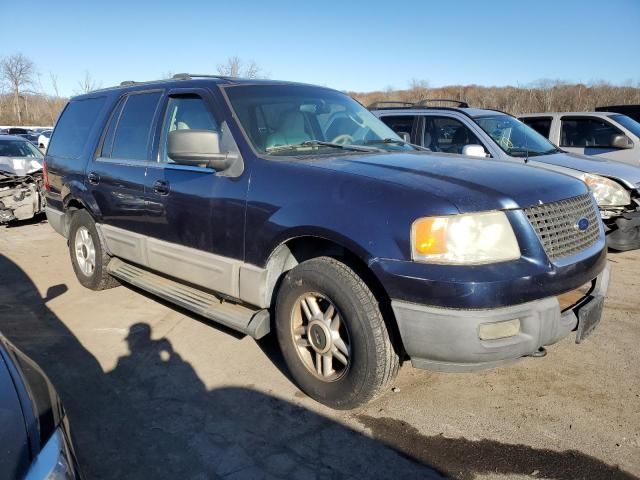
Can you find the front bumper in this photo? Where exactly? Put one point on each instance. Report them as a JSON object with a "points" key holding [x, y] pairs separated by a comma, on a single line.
{"points": [[448, 340], [21, 202], [623, 233]]}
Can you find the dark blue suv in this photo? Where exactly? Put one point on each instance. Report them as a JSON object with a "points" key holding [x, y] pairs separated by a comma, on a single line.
{"points": [[268, 205]]}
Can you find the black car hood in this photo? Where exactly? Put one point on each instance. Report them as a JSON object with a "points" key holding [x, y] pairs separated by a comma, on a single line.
{"points": [[14, 454], [471, 185], [629, 174]]}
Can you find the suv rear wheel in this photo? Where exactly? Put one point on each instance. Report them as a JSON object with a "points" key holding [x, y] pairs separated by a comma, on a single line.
{"points": [[88, 255], [332, 334]]}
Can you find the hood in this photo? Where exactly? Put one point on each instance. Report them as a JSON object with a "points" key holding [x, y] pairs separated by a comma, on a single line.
{"points": [[628, 174], [471, 185], [19, 166]]}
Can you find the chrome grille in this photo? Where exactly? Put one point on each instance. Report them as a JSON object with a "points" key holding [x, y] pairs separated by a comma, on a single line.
{"points": [[556, 225]]}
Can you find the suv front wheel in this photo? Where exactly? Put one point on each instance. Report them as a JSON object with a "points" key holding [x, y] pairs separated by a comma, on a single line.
{"points": [[88, 255], [332, 334]]}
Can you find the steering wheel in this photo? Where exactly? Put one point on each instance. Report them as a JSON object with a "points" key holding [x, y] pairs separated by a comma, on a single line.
{"points": [[343, 139]]}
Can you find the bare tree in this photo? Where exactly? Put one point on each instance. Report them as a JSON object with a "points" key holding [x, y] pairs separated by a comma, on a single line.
{"points": [[17, 73], [87, 84], [419, 90], [235, 67], [54, 84]]}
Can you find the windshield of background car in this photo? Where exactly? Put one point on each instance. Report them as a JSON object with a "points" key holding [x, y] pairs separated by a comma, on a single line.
{"points": [[628, 122], [18, 148], [275, 116], [514, 137]]}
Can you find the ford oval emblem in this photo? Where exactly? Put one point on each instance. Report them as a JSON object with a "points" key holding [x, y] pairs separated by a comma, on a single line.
{"points": [[582, 224]]}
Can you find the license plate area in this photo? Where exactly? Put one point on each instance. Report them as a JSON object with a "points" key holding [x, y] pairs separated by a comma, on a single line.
{"points": [[589, 316]]}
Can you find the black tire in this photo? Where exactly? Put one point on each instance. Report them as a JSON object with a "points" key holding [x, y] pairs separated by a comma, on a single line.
{"points": [[373, 363], [99, 279]]}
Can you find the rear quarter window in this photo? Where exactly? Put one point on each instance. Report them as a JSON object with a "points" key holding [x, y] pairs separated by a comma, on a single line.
{"points": [[73, 127]]}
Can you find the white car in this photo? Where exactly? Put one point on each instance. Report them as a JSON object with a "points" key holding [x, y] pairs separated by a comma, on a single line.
{"points": [[43, 139], [601, 134]]}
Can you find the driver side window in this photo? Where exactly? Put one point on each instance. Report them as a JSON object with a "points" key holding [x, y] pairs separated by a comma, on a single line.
{"points": [[185, 112], [445, 134]]}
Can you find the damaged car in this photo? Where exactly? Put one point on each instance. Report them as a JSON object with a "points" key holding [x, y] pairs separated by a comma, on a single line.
{"points": [[21, 179]]}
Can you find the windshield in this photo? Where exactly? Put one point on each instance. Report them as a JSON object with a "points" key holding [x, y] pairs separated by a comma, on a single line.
{"points": [[629, 123], [305, 120], [18, 148], [514, 137]]}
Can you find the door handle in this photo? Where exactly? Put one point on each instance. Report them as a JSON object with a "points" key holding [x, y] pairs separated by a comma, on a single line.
{"points": [[94, 178], [161, 187]]}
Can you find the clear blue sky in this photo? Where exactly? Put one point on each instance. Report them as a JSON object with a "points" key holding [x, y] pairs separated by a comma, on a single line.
{"points": [[348, 45]]}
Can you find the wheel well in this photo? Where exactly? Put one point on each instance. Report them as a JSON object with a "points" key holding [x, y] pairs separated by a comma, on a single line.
{"points": [[70, 207], [297, 250], [74, 205]]}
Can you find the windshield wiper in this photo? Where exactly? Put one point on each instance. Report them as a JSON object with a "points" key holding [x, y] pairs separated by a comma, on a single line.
{"points": [[553, 150], [522, 152], [318, 143], [398, 141]]}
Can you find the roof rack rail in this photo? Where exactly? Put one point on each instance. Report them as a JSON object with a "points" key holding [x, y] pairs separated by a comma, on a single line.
{"points": [[189, 76], [127, 83], [459, 103], [375, 105]]}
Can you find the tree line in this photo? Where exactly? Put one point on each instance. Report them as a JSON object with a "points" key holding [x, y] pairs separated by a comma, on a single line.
{"points": [[541, 96], [24, 100]]}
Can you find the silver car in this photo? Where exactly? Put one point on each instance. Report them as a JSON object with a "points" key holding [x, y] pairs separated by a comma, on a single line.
{"points": [[491, 134], [601, 134]]}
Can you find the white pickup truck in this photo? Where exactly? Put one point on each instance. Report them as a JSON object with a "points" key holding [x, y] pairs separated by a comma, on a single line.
{"points": [[603, 134]]}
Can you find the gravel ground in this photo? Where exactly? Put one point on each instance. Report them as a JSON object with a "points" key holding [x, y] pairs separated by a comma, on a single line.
{"points": [[155, 392]]}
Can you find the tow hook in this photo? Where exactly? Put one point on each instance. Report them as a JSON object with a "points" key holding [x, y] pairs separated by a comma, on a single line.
{"points": [[541, 352]]}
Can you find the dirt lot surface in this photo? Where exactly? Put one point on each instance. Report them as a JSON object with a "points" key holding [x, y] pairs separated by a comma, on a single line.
{"points": [[155, 392]]}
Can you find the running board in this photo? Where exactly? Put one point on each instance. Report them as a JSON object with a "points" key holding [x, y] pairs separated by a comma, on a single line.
{"points": [[255, 323]]}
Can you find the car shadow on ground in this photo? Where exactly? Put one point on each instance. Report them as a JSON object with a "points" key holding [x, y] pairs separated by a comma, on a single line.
{"points": [[36, 219], [151, 416]]}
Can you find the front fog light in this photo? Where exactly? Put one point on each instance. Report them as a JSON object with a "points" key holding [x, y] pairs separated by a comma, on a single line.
{"points": [[493, 331]]}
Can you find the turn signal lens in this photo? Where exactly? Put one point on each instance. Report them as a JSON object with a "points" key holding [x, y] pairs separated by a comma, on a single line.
{"points": [[430, 235], [467, 239]]}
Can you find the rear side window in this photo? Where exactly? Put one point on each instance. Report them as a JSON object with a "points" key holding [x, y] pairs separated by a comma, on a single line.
{"points": [[133, 131], [586, 132], [542, 125], [74, 125]]}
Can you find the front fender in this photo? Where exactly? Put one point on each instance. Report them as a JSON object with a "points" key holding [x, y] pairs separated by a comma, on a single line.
{"points": [[371, 218]]}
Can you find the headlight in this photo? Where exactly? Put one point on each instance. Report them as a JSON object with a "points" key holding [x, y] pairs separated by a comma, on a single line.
{"points": [[54, 462], [607, 192], [467, 239]]}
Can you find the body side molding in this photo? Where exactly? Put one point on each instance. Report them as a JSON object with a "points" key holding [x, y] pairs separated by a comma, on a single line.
{"points": [[224, 275]]}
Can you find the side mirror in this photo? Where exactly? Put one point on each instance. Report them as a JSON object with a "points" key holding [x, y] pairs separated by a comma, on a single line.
{"points": [[198, 148], [621, 141], [474, 151], [404, 136]]}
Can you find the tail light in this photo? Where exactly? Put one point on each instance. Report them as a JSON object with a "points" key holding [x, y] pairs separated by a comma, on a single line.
{"points": [[45, 175]]}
